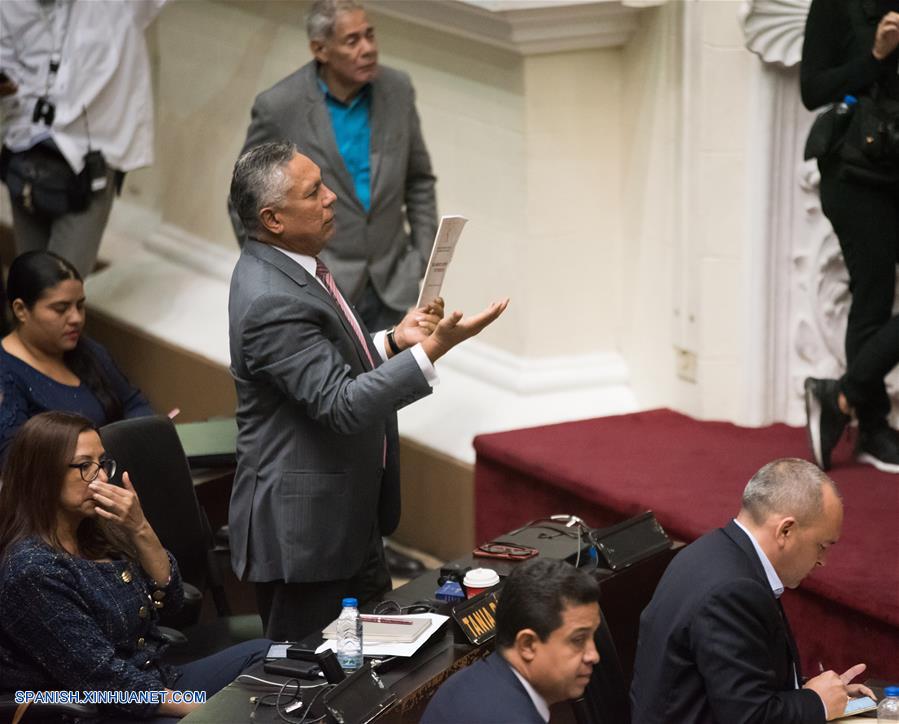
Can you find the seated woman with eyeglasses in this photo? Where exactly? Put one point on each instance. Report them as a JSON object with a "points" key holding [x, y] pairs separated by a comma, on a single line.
{"points": [[82, 575], [46, 363]]}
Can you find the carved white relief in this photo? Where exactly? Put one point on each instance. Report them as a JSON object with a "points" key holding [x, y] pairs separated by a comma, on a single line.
{"points": [[774, 29], [820, 277], [821, 309]]}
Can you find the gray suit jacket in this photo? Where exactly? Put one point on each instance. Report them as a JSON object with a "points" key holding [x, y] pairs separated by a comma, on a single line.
{"points": [[311, 417], [376, 243]]}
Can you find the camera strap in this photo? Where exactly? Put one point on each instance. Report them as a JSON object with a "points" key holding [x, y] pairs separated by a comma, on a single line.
{"points": [[57, 42], [87, 128]]}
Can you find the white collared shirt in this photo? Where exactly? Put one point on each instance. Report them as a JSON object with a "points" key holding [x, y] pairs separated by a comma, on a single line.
{"points": [[104, 68], [777, 586], [539, 702], [427, 368]]}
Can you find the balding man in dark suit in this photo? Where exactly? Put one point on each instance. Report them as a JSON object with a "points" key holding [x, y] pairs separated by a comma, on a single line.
{"points": [[715, 644]]}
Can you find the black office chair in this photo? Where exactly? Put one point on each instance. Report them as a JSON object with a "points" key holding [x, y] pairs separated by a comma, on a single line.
{"points": [[605, 699], [150, 450]]}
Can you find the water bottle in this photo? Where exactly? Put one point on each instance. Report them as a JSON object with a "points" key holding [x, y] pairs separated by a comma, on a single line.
{"points": [[349, 636], [888, 708], [829, 128], [844, 107]]}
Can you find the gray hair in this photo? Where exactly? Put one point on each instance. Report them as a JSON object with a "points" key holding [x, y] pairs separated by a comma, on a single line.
{"points": [[788, 486], [323, 14], [260, 180]]}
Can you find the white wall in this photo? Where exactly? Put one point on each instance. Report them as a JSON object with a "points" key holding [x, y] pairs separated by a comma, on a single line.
{"points": [[606, 190], [688, 92]]}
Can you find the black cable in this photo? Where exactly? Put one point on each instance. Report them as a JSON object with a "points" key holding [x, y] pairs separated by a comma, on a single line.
{"points": [[325, 687], [275, 700], [393, 608], [544, 523]]}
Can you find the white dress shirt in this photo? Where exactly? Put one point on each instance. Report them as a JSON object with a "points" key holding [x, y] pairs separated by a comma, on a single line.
{"points": [[777, 586], [103, 68], [539, 702], [427, 368]]}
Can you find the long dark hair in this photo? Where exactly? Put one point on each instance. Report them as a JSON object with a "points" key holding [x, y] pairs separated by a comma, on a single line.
{"points": [[36, 467], [30, 275]]}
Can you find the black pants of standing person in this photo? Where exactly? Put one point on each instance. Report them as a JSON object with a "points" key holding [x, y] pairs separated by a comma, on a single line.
{"points": [[292, 611], [866, 221]]}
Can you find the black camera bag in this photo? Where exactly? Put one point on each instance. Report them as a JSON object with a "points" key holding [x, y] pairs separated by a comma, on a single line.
{"points": [[870, 149], [41, 181]]}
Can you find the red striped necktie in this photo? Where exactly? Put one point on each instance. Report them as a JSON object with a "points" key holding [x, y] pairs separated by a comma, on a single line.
{"points": [[322, 272]]}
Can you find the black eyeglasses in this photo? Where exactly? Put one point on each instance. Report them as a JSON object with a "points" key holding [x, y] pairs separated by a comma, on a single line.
{"points": [[509, 551], [90, 470]]}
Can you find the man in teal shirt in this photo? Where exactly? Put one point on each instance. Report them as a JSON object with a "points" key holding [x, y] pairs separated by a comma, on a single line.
{"points": [[357, 120]]}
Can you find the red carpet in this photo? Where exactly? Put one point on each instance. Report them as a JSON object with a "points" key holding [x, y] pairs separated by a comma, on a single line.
{"points": [[691, 474]]}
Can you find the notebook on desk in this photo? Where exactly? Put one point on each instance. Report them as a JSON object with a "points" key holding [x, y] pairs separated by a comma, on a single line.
{"points": [[386, 629], [209, 444]]}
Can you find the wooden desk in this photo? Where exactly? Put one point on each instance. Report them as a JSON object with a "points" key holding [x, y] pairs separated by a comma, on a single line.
{"points": [[414, 681]]}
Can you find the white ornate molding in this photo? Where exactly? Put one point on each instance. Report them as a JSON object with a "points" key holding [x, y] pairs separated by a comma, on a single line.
{"points": [[821, 282], [774, 29], [526, 27]]}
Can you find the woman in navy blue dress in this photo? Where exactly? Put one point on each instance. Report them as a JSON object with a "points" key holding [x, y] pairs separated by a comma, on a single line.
{"points": [[82, 576], [46, 362]]}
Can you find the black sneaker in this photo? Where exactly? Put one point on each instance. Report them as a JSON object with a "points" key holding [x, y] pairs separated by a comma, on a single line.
{"points": [[825, 420], [880, 448]]}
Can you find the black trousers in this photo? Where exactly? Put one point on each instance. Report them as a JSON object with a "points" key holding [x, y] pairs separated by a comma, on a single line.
{"points": [[292, 611], [866, 221]]}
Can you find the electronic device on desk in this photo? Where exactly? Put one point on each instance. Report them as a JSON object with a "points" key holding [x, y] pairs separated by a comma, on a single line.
{"points": [[568, 538], [632, 540], [359, 698], [293, 668], [560, 537]]}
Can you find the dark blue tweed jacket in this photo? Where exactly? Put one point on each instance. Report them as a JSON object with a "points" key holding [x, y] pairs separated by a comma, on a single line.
{"points": [[70, 624]]}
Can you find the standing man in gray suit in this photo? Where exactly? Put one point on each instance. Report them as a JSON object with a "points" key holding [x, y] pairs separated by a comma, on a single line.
{"points": [[317, 481], [357, 121]]}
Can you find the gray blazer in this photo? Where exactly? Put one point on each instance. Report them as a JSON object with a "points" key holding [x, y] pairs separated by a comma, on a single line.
{"points": [[311, 417], [376, 243]]}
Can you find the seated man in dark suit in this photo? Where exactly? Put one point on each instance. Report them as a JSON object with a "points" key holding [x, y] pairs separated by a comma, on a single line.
{"points": [[547, 615], [715, 644]]}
